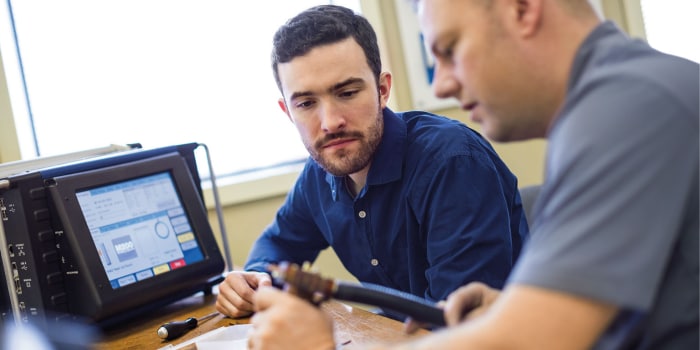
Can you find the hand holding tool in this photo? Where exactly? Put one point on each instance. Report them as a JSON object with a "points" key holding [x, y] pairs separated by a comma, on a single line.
{"points": [[316, 289]]}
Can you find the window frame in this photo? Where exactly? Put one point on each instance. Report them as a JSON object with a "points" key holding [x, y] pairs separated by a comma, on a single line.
{"points": [[233, 189]]}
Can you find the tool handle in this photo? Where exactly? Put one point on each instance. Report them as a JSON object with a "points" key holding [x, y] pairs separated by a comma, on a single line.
{"points": [[172, 330]]}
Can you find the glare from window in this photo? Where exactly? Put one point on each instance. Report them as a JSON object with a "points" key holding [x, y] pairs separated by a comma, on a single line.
{"points": [[158, 72], [672, 26]]}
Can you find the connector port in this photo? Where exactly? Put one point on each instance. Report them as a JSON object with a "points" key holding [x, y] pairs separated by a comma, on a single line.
{"points": [[3, 210], [15, 276]]}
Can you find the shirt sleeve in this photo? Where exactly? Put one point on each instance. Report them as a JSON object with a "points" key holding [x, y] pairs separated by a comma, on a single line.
{"points": [[292, 236], [622, 167]]}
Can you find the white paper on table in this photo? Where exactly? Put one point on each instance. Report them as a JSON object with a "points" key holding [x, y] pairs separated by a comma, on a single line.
{"points": [[233, 337]]}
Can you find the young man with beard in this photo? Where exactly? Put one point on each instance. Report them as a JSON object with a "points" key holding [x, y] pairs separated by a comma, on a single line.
{"points": [[612, 260], [411, 201]]}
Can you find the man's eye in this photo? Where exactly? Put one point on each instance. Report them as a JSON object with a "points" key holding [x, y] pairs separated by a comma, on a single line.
{"points": [[445, 53], [304, 104], [349, 93]]}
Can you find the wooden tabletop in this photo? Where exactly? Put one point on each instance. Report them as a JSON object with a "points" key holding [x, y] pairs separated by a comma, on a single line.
{"points": [[354, 327]]}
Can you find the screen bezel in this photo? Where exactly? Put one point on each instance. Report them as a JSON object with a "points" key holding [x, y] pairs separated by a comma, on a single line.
{"points": [[89, 290]]}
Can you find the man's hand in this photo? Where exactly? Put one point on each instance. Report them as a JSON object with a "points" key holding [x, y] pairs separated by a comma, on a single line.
{"points": [[468, 302], [463, 304], [284, 321], [235, 298]]}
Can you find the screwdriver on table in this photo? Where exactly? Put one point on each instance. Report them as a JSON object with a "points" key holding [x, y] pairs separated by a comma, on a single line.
{"points": [[172, 330]]}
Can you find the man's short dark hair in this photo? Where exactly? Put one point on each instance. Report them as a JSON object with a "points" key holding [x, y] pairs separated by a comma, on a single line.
{"points": [[323, 25]]}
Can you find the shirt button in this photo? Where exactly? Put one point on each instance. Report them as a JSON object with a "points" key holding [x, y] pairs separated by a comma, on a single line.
{"points": [[362, 214], [374, 262]]}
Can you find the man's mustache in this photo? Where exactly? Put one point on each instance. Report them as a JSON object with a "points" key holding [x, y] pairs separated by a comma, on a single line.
{"points": [[339, 135]]}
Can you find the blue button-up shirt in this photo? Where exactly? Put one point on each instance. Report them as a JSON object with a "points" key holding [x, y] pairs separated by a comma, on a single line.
{"points": [[439, 209]]}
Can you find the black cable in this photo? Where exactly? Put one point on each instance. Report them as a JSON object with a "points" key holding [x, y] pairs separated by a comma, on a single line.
{"points": [[408, 304]]}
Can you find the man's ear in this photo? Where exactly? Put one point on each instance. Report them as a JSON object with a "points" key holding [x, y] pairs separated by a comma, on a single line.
{"points": [[529, 16], [384, 88], [283, 107]]}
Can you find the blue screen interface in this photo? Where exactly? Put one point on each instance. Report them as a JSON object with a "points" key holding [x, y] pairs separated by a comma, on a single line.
{"points": [[140, 228]]}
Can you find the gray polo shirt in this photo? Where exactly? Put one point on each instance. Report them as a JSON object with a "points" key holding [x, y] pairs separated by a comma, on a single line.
{"points": [[617, 218]]}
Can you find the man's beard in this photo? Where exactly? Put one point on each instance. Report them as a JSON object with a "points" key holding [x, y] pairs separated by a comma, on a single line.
{"points": [[342, 162]]}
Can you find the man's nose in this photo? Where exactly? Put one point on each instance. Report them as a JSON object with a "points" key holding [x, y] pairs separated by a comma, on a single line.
{"points": [[332, 117], [444, 85]]}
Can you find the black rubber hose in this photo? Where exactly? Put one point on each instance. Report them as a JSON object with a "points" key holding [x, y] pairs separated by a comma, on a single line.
{"points": [[408, 304]]}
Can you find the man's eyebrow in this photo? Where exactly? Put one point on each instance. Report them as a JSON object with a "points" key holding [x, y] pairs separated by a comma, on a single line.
{"points": [[347, 82], [300, 94]]}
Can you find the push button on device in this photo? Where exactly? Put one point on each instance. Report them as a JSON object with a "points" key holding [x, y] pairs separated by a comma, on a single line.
{"points": [[58, 299], [37, 193], [54, 278], [45, 235], [50, 256], [41, 214]]}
